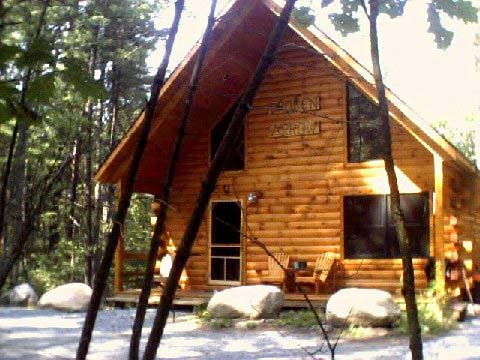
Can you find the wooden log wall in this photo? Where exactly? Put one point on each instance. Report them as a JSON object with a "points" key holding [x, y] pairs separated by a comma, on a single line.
{"points": [[461, 226], [301, 179]]}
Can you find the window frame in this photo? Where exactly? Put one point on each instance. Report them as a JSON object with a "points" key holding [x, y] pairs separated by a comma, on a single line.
{"points": [[390, 242], [241, 245]]}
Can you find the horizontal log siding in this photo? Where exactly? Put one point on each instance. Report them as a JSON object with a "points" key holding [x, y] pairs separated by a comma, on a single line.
{"points": [[461, 205], [302, 179]]}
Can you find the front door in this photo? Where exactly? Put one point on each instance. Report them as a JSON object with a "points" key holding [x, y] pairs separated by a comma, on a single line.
{"points": [[225, 242]]}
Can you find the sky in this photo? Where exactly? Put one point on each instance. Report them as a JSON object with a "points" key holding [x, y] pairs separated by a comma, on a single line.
{"points": [[437, 84]]}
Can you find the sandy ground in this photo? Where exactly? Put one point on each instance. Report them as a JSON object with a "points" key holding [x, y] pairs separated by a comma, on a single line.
{"points": [[47, 334]]}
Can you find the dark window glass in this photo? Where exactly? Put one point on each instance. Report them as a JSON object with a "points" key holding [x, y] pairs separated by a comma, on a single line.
{"points": [[225, 223], [217, 269], [232, 269], [363, 127], [370, 231], [226, 251], [236, 158]]}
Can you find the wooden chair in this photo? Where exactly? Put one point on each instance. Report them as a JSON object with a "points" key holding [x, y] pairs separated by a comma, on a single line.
{"points": [[275, 274], [323, 266]]}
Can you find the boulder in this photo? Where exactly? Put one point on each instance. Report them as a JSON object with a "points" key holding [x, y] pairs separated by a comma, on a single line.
{"points": [[22, 295], [68, 297], [253, 302], [362, 307]]}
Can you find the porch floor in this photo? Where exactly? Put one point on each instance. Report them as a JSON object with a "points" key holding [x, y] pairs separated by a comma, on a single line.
{"points": [[199, 297]]}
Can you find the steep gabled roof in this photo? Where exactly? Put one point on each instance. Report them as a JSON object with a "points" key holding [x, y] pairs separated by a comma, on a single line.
{"points": [[236, 46]]}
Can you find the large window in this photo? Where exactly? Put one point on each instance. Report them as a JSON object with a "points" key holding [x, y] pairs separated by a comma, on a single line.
{"points": [[370, 231], [236, 158], [363, 127]]}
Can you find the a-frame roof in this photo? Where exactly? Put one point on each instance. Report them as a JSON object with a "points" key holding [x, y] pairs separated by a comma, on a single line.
{"points": [[238, 39]]}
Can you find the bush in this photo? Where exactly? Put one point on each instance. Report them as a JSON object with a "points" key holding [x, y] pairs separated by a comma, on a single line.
{"points": [[220, 323], [433, 314], [297, 318]]}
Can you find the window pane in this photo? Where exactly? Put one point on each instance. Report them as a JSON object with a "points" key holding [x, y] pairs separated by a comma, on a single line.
{"points": [[226, 217], [225, 251], [364, 226], [217, 269], [236, 158], [363, 127], [233, 270], [415, 209]]}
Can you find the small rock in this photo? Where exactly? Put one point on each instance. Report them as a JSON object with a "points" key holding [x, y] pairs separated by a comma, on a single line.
{"points": [[22, 295], [68, 297], [254, 302], [362, 307]]}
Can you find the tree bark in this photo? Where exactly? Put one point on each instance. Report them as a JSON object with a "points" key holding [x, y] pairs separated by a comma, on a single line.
{"points": [[3, 191], [124, 203], [75, 177], [156, 241], [209, 183], [398, 216]]}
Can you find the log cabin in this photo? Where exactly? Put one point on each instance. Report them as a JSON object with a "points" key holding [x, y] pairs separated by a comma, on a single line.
{"points": [[305, 176]]}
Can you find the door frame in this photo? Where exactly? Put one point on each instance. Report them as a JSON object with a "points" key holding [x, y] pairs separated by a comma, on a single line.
{"points": [[209, 244]]}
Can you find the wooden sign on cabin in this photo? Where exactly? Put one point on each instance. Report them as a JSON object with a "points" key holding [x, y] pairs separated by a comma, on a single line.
{"points": [[296, 127]]}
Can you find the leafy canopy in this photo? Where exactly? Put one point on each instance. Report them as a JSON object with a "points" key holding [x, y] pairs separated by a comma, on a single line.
{"points": [[346, 21]]}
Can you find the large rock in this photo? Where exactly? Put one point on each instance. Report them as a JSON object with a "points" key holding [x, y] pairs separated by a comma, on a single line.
{"points": [[68, 297], [254, 302], [362, 307], [22, 295]]}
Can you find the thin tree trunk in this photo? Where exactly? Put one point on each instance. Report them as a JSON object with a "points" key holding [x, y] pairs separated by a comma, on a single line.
{"points": [[18, 190], [398, 216], [124, 203], [98, 195], [75, 177], [112, 124], [209, 183], [28, 225], [165, 193], [3, 191], [88, 198]]}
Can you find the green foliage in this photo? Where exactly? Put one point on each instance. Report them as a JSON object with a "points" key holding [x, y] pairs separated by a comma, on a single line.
{"points": [[346, 21], [252, 325], [433, 314], [63, 81], [220, 323], [297, 318], [461, 135], [303, 17]]}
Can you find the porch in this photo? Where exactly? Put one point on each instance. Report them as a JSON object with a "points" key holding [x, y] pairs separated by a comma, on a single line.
{"points": [[199, 297]]}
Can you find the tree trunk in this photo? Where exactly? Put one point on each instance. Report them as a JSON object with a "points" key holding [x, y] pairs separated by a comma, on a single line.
{"points": [[3, 191], [209, 183], [18, 190], [75, 177], [112, 124], [398, 216], [124, 203], [165, 193], [98, 195]]}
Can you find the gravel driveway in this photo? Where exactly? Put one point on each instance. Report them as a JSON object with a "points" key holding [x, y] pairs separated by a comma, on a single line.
{"points": [[47, 334]]}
